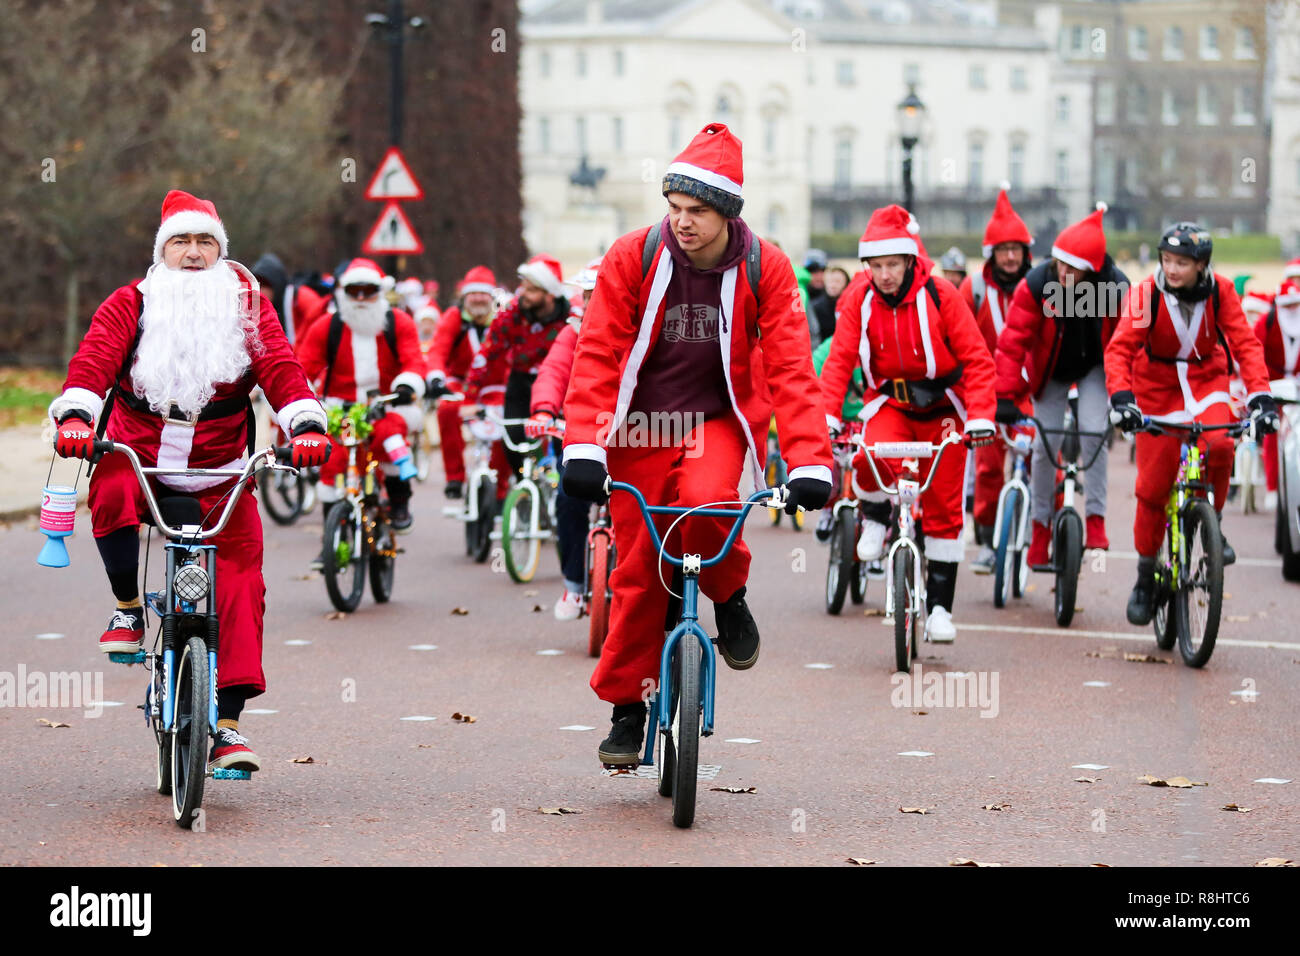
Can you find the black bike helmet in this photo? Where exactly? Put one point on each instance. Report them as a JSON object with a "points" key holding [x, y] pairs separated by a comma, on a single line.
{"points": [[1188, 239], [815, 260]]}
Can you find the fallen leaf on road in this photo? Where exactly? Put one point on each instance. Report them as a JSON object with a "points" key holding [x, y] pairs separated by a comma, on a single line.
{"points": [[1085, 779], [914, 809], [1146, 659], [1179, 782], [1277, 861], [532, 592], [42, 842], [53, 723], [537, 609], [1238, 618], [310, 576], [996, 806], [1236, 809], [557, 811], [962, 861], [1031, 588], [1183, 782], [303, 760], [460, 611], [920, 713], [859, 861], [734, 789], [874, 612], [463, 718], [424, 746], [1107, 865], [335, 616]]}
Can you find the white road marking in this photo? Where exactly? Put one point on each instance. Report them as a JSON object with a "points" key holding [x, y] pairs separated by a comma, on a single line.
{"points": [[422, 647], [1271, 780], [260, 710], [1089, 766], [819, 667], [1120, 635], [1253, 562], [49, 636], [577, 727], [1096, 683], [549, 652], [742, 740], [297, 642], [916, 753], [418, 717]]}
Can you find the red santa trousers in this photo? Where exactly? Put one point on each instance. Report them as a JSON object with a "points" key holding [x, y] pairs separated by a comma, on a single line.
{"points": [[666, 476], [1268, 454], [116, 501], [942, 502], [1157, 465], [387, 441]]}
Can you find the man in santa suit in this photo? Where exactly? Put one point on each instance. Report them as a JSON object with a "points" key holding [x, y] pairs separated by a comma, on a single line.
{"points": [[458, 339], [184, 347], [1278, 330], [1165, 361], [987, 294], [377, 351], [927, 371], [675, 336]]}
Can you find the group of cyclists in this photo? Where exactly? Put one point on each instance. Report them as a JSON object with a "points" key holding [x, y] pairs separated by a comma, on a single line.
{"points": [[698, 319]]}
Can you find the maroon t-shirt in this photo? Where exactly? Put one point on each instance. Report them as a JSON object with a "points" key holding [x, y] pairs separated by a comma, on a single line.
{"points": [[683, 372]]}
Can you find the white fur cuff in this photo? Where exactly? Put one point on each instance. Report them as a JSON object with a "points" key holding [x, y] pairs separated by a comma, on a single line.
{"points": [[589, 452], [77, 400]]}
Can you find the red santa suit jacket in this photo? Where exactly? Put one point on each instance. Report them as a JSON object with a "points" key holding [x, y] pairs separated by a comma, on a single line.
{"points": [[555, 373], [624, 319], [990, 316], [215, 443], [913, 342], [1281, 352], [1176, 369], [365, 362], [456, 341]]}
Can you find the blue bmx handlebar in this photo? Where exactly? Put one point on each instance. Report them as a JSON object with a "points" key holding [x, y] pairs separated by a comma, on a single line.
{"points": [[737, 516]]}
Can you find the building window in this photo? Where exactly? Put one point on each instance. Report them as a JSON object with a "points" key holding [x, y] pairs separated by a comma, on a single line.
{"points": [[774, 221], [1105, 175], [1016, 166], [1137, 104], [618, 63], [1019, 81], [616, 125], [1132, 174], [1243, 105], [544, 134], [977, 79], [1062, 169], [1137, 43], [844, 72], [769, 135], [840, 220], [1210, 43], [1105, 103], [675, 133], [1169, 108], [1205, 186], [722, 110], [843, 161], [911, 74], [1173, 46], [1168, 158], [975, 166], [544, 63], [1246, 44], [1207, 105], [1063, 110], [1076, 41], [580, 133]]}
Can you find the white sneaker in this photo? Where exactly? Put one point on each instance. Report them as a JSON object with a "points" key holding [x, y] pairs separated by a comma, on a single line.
{"points": [[939, 627], [871, 545], [984, 561], [1270, 501], [569, 606]]}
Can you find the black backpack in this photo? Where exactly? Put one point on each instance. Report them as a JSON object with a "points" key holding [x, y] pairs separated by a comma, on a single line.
{"points": [[336, 335], [753, 257]]}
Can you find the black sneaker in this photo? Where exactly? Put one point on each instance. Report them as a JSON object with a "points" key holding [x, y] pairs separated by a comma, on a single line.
{"points": [[399, 516], [453, 490], [1139, 607], [1229, 555], [622, 747], [737, 632]]}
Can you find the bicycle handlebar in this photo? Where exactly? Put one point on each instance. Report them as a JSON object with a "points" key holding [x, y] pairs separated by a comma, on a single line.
{"points": [[1157, 426], [1043, 432], [870, 452]]}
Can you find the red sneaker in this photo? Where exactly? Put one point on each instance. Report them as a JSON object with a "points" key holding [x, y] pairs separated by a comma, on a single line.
{"points": [[230, 752], [1039, 545], [1096, 533], [125, 633]]}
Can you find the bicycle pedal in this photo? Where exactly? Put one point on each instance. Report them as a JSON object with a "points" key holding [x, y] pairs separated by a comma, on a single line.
{"points": [[118, 657], [224, 773]]}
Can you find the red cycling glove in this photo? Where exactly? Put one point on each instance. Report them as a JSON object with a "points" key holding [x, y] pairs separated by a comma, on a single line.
{"points": [[74, 438]]}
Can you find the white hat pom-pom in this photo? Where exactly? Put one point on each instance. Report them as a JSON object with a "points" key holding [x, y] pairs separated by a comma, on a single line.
{"points": [[1004, 185], [913, 226], [1101, 206]]}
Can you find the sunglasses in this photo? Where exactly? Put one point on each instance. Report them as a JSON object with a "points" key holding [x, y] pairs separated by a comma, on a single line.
{"points": [[361, 291]]}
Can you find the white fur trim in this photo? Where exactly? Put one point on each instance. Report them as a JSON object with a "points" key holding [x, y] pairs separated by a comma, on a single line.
{"points": [[1288, 298], [411, 379], [725, 329], [923, 318], [358, 275], [832, 421], [77, 399], [706, 176], [477, 287], [819, 472], [190, 221], [1291, 271], [304, 409], [585, 452], [1071, 260], [658, 286], [944, 549], [862, 494], [539, 275], [1101, 206], [870, 408], [1254, 395], [980, 424], [899, 246]]}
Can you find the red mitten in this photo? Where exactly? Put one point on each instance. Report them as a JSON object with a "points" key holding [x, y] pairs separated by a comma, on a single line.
{"points": [[75, 438], [536, 427], [309, 450]]}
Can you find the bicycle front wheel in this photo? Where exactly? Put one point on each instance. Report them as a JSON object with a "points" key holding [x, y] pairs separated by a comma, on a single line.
{"points": [[282, 495], [1199, 598], [479, 533], [1068, 541], [383, 561], [686, 729], [904, 572], [519, 516], [189, 755], [599, 552], [839, 567], [1006, 565], [1162, 612], [344, 556]]}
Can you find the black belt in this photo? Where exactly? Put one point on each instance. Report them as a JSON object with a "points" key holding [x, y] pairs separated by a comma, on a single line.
{"points": [[1170, 361], [218, 409], [921, 393]]}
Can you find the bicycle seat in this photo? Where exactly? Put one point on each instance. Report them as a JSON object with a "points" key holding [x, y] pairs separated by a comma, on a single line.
{"points": [[177, 510]]}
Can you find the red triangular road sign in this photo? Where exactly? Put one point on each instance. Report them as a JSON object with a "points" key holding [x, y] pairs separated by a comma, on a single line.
{"points": [[393, 179], [392, 235]]}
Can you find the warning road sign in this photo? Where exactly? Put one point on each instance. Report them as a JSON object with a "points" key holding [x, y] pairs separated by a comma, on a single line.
{"points": [[392, 235], [394, 179]]}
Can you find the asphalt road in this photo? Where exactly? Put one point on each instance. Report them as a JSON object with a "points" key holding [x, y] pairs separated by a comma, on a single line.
{"points": [[823, 746]]}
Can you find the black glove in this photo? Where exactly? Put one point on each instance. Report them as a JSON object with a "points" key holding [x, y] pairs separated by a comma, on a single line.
{"points": [[1008, 412], [1124, 412], [405, 395], [436, 387], [811, 494], [584, 479], [1263, 412]]}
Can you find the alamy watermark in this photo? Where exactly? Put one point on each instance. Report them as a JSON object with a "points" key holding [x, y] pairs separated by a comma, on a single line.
{"points": [[41, 690], [946, 689], [653, 430]]}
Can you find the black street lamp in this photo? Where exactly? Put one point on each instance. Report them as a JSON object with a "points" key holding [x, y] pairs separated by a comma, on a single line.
{"points": [[911, 114]]}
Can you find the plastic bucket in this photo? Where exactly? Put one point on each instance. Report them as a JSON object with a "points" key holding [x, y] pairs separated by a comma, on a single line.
{"points": [[58, 509]]}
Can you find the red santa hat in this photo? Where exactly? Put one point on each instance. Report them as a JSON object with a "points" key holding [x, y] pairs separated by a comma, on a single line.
{"points": [[183, 214], [364, 272], [1288, 293], [478, 279], [1083, 245], [711, 169], [544, 271], [1256, 303], [892, 231], [1005, 225]]}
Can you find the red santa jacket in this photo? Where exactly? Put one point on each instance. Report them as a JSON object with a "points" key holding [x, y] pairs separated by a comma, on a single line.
{"points": [[216, 443], [990, 315], [623, 322], [1174, 369], [516, 341], [308, 306], [913, 342], [456, 341], [555, 374], [1281, 353], [364, 362]]}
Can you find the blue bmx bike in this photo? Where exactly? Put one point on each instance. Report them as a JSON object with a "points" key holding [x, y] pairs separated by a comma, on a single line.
{"points": [[681, 709]]}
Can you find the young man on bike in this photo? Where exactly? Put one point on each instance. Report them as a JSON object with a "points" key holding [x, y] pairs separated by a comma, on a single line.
{"points": [[988, 294], [672, 335], [927, 372], [183, 348], [1061, 317], [1168, 360], [368, 346]]}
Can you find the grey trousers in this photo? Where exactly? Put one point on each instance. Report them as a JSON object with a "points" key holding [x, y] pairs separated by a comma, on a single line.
{"points": [[1094, 411]]}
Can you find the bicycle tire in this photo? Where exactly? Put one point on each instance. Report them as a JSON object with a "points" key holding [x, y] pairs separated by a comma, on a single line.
{"points": [[517, 520], [1006, 564], [686, 736], [1282, 539], [1067, 558], [1162, 612], [598, 552], [162, 739], [190, 735], [1194, 611], [382, 568], [904, 617], [796, 520], [344, 556], [487, 504], [839, 565], [282, 495], [858, 581]]}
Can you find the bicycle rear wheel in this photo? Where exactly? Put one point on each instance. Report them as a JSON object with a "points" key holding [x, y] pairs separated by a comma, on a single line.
{"points": [[162, 739], [904, 615], [282, 495], [1199, 600], [686, 729], [519, 516], [839, 566], [189, 750], [1068, 541], [1006, 566], [383, 561], [345, 556], [1162, 612], [479, 532], [598, 553]]}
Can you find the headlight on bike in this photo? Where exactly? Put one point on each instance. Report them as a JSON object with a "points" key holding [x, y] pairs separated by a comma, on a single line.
{"points": [[191, 583]]}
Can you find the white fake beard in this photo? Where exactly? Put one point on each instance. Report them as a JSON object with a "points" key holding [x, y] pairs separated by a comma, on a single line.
{"points": [[1288, 317], [364, 318], [194, 336]]}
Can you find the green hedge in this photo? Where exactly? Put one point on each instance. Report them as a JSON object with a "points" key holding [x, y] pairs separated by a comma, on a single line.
{"points": [[1248, 247]]}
